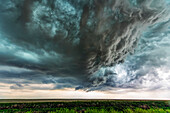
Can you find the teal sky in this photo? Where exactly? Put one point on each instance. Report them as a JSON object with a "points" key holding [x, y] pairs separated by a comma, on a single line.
{"points": [[114, 49]]}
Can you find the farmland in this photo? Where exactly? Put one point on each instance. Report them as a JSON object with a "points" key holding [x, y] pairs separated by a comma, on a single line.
{"points": [[84, 106]]}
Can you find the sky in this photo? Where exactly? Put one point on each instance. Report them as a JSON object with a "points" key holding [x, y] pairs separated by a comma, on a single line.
{"points": [[85, 49]]}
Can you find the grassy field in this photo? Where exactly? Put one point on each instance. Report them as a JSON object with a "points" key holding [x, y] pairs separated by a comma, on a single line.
{"points": [[84, 106]]}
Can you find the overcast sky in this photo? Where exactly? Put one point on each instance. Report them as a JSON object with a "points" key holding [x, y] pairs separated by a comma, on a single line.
{"points": [[68, 49]]}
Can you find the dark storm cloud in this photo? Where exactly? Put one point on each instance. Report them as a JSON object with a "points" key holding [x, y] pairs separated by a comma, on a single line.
{"points": [[20, 78], [40, 87], [148, 67], [74, 43]]}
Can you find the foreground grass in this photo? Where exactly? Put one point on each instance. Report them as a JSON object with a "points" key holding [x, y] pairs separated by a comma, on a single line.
{"points": [[137, 110], [93, 110], [88, 107]]}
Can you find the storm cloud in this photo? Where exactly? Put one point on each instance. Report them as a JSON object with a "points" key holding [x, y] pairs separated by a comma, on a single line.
{"points": [[85, 44]]}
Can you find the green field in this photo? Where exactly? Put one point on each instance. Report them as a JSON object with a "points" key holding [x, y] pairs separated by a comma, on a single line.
{"points": [[84, 106]]}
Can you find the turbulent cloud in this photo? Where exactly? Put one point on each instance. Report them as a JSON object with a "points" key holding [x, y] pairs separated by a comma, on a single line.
{"points": [[84, 43], [147, 68]]}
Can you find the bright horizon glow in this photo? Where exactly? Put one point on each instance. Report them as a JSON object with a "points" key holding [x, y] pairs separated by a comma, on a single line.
{"points": [[70, 93]]}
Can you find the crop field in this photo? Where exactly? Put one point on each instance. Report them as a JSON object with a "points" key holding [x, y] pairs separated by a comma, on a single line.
{"points": [[84, 106]]}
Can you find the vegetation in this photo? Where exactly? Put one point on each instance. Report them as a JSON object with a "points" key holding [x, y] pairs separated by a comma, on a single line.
{"points": [[87, 107]]}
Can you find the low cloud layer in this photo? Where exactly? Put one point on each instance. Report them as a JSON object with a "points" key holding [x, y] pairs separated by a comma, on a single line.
{"points": [[85, 44]]}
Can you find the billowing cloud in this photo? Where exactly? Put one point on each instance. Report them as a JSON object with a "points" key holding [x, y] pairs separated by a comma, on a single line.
{"points": [[85, 44], [147, 68]]}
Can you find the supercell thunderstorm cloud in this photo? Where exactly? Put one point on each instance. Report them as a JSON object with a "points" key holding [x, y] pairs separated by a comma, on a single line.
{"points": [[85, 44]]}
